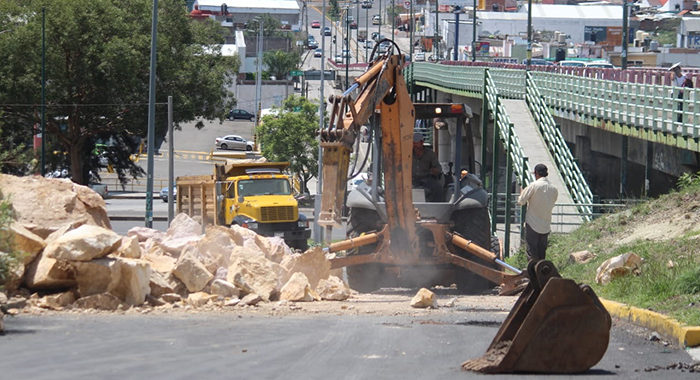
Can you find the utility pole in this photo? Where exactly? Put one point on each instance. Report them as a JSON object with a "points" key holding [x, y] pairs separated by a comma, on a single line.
{"points": [[347, 47], [436, 34], [151, 117], [171, 162], [474, 33], [317, 231], [457, 10], [625, 34], [529, 34], [258, 85], [357, 35], [367, 32], [379, 27], [43, 91], [411, 25]]}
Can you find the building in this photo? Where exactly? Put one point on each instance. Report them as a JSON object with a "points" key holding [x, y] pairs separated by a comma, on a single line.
{"points": [[240, 11]]}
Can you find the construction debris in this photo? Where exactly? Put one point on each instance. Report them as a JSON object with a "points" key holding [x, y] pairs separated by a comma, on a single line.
{"points": [[424, 298], [581, 257], [618, 266]]}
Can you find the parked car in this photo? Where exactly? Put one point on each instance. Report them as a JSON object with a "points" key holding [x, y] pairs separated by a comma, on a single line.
{"points": [[318, 53], [538, 61], [376, 20], [338, 58], [353, 24], [316, 24], [567, 63], [326, 31], [164, 193], [600, 64], [240, 114], [366, 4], [419, 57], [233, 142]]}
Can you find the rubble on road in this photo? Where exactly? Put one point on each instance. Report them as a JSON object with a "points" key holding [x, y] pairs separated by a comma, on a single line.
{"points": [[75, 261], [424, 298]]}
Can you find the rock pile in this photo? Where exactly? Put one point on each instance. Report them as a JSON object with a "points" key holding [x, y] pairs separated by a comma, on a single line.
{"points": [[74, 260]]}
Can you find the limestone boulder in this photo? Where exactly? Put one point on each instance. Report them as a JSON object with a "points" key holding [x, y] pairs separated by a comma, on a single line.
{"points": [[129, 248], [160, 262], [96, 276], [84, 243], [312, 263], [103, 301], [332, 289], [251, 299], [144, 233], [192, 273], [183, 225], [48, 273], [618, 266], [215, 247], [298, 289], [581, 257], [132, 285], [174, 246], [171, 297], [224, 289], [57, 301], [424, 299], [159, 284], [43, 205], [253, 273], [241, 234], [274, 248], [200, 299], [25, 241]]}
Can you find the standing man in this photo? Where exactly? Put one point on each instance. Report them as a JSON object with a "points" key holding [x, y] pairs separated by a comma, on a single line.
{"points": [[680, 81], [426, 170], [539, 197]]}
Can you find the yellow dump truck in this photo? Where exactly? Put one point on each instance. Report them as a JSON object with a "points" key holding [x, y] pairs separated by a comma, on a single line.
{"points": [[257, 196]]}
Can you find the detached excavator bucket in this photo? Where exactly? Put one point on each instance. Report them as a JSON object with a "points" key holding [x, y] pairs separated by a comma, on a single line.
{"points": [[556, 326]]}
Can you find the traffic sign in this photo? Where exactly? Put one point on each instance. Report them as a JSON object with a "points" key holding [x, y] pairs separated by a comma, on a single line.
{"points": [[296, 73]]}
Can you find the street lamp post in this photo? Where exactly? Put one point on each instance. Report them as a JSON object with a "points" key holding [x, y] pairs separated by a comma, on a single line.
{"points": [[357, 35], [347, 47], [318, 234], [366, 32], [625, 34], [457, 10], [436, 34], [474, 33]]}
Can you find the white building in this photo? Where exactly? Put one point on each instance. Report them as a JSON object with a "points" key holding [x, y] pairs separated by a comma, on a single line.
{"points": [[241, 11]]}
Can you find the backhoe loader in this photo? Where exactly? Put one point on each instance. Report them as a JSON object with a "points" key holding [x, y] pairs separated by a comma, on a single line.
{"points": [[556, 325]]}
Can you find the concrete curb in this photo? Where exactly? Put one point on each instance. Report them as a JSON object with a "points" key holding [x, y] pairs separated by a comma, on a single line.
{"points": [[686, 336]]}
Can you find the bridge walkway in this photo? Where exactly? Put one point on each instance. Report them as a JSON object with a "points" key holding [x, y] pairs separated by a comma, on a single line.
{"points": [[535, 149]]}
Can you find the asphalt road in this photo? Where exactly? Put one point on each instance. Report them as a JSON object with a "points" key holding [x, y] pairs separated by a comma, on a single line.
{"points": [[241, 346]]}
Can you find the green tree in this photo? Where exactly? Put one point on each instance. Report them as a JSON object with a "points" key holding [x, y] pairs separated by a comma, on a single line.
{"points": [[290, 135], [271, 26], [280, 63], [97, 71], [334, 11], [9, 257]]}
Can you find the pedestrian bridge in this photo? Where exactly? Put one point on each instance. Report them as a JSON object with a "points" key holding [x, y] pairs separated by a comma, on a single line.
{"points": [[635, 103]]}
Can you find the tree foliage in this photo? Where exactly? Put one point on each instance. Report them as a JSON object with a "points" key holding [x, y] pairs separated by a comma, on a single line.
{"points": [[280, 63], [334, 10], [97, 76], [290, 135]]}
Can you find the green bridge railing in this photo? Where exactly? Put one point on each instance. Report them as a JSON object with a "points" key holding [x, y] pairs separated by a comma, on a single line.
{"points": [[569, 169]]}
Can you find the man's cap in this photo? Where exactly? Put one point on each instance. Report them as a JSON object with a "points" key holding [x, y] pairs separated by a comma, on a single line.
{"points": [[674, 66], [541, 170], [417, 136]]}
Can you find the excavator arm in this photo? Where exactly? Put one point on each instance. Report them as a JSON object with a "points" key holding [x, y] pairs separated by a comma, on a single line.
{"points": [[381, 89]]}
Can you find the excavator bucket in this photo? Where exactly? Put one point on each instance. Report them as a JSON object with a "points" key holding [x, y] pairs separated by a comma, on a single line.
{"points": [[556, 326]]}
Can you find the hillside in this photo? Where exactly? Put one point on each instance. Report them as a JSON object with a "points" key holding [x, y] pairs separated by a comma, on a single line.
{"points": [[665, 232]]}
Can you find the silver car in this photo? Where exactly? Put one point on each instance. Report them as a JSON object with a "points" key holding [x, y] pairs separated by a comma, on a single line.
{"points": [[233, 142]]}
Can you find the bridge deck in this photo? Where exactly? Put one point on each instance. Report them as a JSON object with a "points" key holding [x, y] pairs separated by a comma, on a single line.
{"points": [[536, 151]]}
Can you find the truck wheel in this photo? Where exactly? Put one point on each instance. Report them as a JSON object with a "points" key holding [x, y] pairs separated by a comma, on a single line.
{"points": [[300, 244], [473, 224]]}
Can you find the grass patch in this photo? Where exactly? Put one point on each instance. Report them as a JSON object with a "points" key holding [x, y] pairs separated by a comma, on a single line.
{"points": [[669, 281]]}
